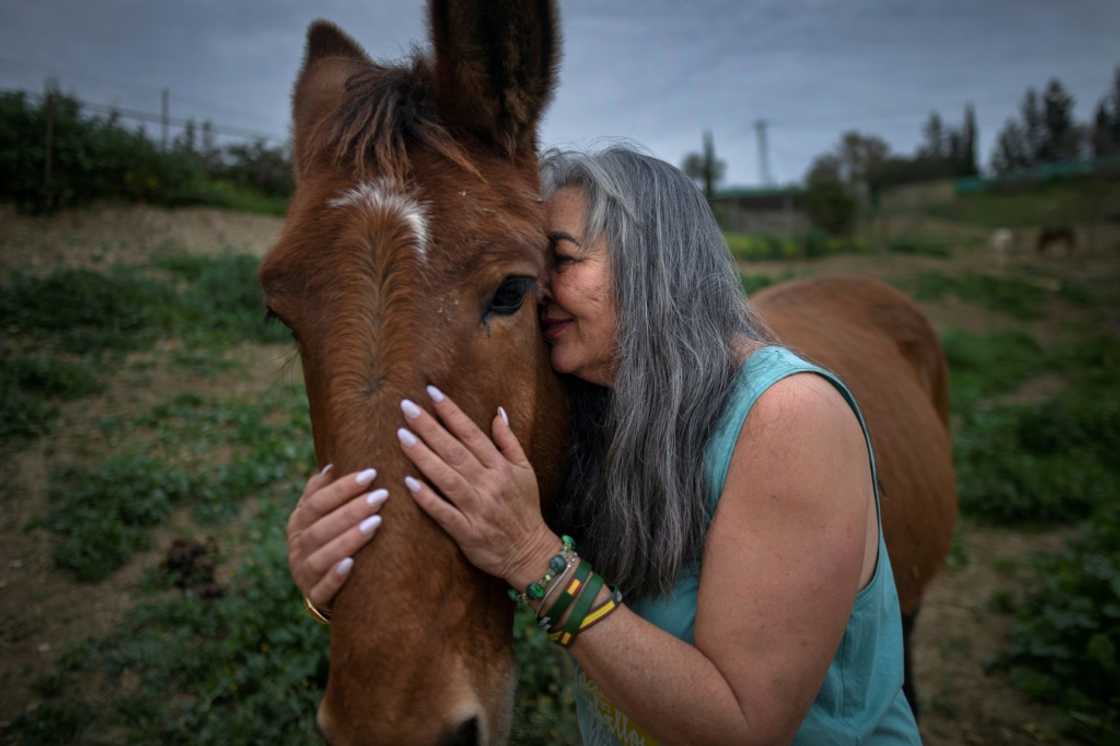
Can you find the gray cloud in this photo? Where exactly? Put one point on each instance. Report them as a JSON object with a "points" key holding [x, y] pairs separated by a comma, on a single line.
{"points": [[654, 72]]}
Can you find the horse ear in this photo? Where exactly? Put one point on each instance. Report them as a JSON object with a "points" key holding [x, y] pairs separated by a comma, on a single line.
{"points": [[330, 58], [495, 66]]}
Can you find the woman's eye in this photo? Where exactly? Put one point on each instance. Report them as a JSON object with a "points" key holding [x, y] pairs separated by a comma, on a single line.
{"points": [[510, 295]]}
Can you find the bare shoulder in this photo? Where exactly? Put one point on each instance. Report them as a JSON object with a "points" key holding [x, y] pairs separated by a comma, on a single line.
{"points": [[804, 410]]}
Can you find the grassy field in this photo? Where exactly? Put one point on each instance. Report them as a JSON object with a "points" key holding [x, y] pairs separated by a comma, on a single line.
{"points": [[155, 435]]}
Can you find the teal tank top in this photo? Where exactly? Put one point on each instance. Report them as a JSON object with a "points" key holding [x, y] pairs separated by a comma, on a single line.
{"points": [[860, 700]]}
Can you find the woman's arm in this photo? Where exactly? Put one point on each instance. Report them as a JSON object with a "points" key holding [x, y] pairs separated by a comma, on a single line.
{"points": [[781, 567]]}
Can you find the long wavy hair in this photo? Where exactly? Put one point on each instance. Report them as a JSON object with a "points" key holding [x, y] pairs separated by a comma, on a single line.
{"points": [[636, 496]]}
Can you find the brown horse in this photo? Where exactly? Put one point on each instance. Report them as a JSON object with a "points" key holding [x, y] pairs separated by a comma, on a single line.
{"points": [[411, 255]]}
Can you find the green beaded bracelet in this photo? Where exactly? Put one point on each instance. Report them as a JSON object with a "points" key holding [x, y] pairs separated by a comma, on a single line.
{"points": [[538, 589]]}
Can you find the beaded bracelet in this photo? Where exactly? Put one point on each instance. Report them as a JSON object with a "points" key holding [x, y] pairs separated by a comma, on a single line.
{"points": [[538, 589]]}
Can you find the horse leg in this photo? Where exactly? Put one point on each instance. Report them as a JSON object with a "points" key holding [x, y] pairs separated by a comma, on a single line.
{"points": [[907, 660]]}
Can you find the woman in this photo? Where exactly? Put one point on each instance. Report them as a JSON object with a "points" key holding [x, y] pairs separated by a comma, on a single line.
{"points": [[723, 483]]}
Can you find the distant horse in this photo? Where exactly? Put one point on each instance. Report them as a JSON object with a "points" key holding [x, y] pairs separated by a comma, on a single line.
{"points": [[410, 255]]}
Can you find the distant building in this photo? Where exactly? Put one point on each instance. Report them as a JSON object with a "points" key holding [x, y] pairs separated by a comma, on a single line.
{"points": [[777, 211]]}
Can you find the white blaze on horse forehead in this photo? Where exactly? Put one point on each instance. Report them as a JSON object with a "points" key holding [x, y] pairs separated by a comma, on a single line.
{"points": [[382, 196]]}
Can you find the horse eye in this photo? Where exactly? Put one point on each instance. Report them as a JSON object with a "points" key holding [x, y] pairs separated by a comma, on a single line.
{"points": [[510, 295]]}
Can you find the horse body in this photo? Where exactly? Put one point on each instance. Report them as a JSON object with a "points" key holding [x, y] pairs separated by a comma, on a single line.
{"points": [[416, 207], [889, 355]]}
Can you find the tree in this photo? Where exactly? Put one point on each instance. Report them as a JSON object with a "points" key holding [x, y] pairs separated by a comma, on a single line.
{"points": [[860, 158], [934, 133], [828, 201], [704, 167], [1105, 136], [968, 161], [1013, 151], [1061, 138]]}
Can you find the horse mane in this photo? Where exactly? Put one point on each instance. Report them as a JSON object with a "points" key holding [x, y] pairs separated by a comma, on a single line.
{"points": [[383, 109]]}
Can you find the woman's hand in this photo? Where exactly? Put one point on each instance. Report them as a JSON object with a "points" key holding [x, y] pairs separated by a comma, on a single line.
{"points": [[331, 521], [492, 506]]}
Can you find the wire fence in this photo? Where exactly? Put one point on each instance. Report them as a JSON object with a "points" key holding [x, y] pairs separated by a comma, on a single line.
{"points": [[164, 118]]}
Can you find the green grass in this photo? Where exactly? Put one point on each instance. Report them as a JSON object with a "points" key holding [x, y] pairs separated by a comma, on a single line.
{"points": [[920, 245], [31, 385], [1065, 641], [1056, 204], [1041, 463], [101, 515], [986, 365], [1018, 298]]}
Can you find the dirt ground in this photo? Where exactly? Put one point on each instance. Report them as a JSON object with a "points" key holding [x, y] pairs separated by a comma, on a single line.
{"points": [[41, 610]]}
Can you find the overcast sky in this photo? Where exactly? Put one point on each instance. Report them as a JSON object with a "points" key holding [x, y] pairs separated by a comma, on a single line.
{"points": [[657, 72]]}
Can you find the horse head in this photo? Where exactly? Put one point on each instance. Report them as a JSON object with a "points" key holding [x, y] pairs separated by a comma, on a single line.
{"points": [[413, 253]]}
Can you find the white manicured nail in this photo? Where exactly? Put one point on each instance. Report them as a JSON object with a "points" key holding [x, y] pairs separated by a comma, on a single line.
{"points": [[326, 468], [411, 411], [412, 484], [368, 525], [344, 566], [377, 497], [435, 393], [504, 416], [406, 437], [366, 476]]}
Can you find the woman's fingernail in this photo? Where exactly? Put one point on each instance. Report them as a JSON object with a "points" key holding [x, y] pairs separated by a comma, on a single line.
{"points": [[411, 411], [366, 476], [326, 468], [504, 416], [435, 393], [412, 484], [406, 437], [368, 525], [344, 566], [377, 497]]}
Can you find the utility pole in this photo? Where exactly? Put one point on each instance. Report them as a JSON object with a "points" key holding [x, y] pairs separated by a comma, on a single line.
{"points": [[760, 126], [165, 111]]}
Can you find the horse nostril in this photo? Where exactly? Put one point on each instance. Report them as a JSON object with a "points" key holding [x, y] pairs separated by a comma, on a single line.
{"points": [[466, 734]]}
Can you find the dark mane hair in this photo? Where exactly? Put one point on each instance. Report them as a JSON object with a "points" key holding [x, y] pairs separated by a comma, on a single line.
{"points": [[384, 109]]}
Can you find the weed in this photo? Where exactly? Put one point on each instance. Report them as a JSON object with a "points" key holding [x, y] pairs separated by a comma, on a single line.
{"points": [[753, 283], [1065, 642], [981, 366], [30, 385], [1019, 298], [81, 311], [918, 245]]}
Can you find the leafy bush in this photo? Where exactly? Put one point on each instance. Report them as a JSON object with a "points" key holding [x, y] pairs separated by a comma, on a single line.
{"points": [[1065, 642], [96, 158], [750, 247]]}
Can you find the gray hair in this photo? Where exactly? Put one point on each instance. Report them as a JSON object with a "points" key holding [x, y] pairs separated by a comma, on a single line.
{"points": [[636, 495]]}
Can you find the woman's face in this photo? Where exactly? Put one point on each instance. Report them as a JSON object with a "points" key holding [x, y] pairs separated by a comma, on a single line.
{"points": [[579, 319]]}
